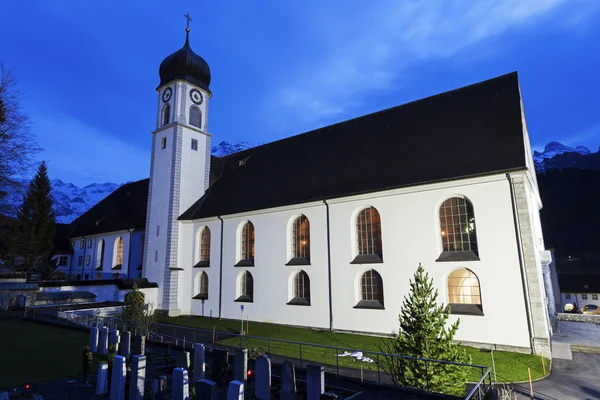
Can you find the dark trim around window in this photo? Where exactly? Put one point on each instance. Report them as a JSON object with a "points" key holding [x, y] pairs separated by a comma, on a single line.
{"points": [[370, 305], [245, 263], [299, 261], [448, 256], [175, 269], [117, 267], [299, 301], [465, 309], [367, 259], [245, 299], [202, 264], [201, 296]]}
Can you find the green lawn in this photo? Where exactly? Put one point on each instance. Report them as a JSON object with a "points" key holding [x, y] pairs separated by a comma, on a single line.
{"points": [[33, 352], [510, 367]]}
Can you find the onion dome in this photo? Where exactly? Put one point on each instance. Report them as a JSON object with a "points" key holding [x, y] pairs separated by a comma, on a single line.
{"points": [[186, 65]]}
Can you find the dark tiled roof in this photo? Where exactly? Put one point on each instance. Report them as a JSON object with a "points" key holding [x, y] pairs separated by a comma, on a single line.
{"points": [[61, 241], [125, 208], [472, 131], [579, 283]]}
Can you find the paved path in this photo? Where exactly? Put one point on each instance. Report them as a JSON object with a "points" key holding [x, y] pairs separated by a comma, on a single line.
{"points": [[577, 333]]}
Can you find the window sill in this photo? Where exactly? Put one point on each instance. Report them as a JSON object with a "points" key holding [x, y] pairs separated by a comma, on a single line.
{"points": [[370, 305], [465, 309], [299, 301], [201, 296], [202, 264], [367, 259], [98, 268], [175, 269], [298, 261], [245, 299], [448, 256], [245, 263], [117, 267]]}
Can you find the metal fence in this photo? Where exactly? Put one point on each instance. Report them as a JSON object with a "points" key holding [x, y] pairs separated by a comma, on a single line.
{"points": [[339, 361]]}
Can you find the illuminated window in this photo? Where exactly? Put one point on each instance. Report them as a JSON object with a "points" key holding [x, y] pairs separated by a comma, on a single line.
{"points": [[118, 249], [368, 237], [457, 224], [301, 238], [464, 294]]}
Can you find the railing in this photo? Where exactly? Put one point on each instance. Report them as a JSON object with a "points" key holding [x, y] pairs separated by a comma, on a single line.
{"points": [[371, 361]]}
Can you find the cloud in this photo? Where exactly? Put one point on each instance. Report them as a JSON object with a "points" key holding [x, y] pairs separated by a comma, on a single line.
{"points": [[369, 49], [81, 154]]}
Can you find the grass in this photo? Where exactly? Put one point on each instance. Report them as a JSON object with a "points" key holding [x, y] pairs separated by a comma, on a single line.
{"points": [[33, 352], [510, 367]]}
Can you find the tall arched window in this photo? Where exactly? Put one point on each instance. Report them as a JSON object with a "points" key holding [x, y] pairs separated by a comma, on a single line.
{"points": [[203, 247], [201, 286], [301, 289], [196, 117], [300, 241], [368, 237], [118, 253], [246, 288], [457, 229], [464, 294], [371, 290], [100, 254], [166, 114], [247, 245]]}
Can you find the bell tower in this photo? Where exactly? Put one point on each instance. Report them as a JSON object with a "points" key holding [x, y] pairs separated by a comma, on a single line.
{"points": [[179, 166]]}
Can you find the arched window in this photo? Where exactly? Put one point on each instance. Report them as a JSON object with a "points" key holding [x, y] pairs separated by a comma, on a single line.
{"points": [[100, 254], [166, 114], [203, 247], [196, 117], [247, 245], [464, 294], [371, 290], [118, 253], [368, 237], [300, 241], [246, 286], [301, 289], [457, 229], [201, 286]]}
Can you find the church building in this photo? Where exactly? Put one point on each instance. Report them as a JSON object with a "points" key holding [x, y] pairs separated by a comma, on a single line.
{"points": [[325, 229]]}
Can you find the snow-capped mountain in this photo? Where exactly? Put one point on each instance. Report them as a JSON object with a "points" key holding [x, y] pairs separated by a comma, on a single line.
{"points": [[558, 156], [225, 148], [554, 148]]}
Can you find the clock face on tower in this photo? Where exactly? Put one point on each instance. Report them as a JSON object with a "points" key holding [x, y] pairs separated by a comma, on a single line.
{"points": [[166, 96], [196, 96]]}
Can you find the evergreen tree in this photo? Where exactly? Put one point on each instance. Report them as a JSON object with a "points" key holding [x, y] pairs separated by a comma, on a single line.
{"points": [[137, 316], [35, 231], [423, 333]]}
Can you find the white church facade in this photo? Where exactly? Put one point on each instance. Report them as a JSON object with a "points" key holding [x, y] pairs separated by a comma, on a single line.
{"points": [[325, 229]]}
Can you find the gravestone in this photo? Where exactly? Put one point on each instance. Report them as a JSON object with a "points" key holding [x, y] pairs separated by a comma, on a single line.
{"points": [[113, 338], [181, 390], [159, 388], [315, 381], [288, 381], [137, 377], [235, 391], [117, 380], [94, 339], [102, 379], [125, 345], [103, 343], [262, 383], [139, 346], [241, 365], [199, 362], [186, 360], [206, 389], [219, 366]]}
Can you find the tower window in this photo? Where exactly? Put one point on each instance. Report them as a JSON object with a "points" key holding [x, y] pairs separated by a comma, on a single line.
{"points": [[194, 144], [155, 255], [196, 117], [157, 230], [166, 114], [163, 143]]}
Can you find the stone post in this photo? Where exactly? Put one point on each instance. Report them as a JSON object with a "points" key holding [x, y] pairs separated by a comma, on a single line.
{"points": [[235, 391], [136, 380], [103, 344], [262, 383], [199, 362], [117, 381], [315, 381], [206, 389], [125, 345], [102, 379], [181, 389], [94, 339], [241, 365]]}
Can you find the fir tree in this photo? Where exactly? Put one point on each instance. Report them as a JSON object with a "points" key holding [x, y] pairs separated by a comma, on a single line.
{"points": [[137, 316], [424, 333], [35, 231]]}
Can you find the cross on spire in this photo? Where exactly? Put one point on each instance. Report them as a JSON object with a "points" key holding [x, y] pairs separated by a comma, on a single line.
{"points": [[189, 19]]}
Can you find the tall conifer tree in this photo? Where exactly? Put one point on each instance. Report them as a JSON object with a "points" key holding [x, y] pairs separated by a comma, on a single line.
{"points": [[423, 333], [35, 232]]}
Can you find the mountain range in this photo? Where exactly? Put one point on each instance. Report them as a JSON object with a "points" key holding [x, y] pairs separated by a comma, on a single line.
{"points": [[70, 201]]}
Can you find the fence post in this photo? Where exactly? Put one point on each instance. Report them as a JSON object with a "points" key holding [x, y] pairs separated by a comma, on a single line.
{"points": [[269, 347], [240, 341], [378, 370], [300, 355], [427, 375], [337, 364]]}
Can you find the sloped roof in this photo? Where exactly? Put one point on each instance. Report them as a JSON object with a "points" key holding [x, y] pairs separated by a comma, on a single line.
{"points": [[61, 240], [125, 208], [579, 283], [472, 131]]}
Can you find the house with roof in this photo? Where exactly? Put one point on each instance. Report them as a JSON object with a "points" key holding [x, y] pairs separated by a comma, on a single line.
{"points": [[325, 229], [580, 289]]}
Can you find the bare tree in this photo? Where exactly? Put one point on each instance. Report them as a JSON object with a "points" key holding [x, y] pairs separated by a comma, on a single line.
{"points": [[17, 146]]}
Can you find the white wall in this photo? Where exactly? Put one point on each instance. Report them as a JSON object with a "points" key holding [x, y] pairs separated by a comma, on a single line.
{"points": [[410, 228], [578, 298]]}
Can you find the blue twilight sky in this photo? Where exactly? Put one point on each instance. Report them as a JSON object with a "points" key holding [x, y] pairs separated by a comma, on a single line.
{"points": [[89, 69]]}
